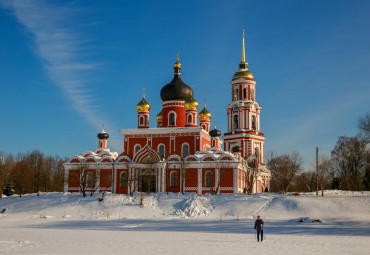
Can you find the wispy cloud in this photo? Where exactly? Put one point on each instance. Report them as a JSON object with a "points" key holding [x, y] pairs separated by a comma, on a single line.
{"points": [[62, 47]]}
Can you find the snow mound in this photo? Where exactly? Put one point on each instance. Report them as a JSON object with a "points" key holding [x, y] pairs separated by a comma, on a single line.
{"points": [[307, 220], [193, 207]]}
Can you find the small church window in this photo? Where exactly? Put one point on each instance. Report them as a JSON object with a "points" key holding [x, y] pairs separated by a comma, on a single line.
{"points": [[171, 119], [173, 179], [254, 122], [190, 119], [209, 179], [137, 148], [244, 93], [252, 94], [236, 122], [236, 96], [90, 180], [123, 180], [185, 150], [161, 150]]}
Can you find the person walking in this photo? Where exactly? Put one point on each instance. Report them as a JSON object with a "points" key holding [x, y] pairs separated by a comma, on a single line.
{"points": [[258, 225]]}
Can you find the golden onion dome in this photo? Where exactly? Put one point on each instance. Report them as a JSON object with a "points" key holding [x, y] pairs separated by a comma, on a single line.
{"points": [[143, 106], [244, 73], [205, 114], [191, 103], [159, 117]]}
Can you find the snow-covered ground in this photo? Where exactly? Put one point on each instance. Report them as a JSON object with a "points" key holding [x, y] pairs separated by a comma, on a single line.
{"points": [[58, 223]]}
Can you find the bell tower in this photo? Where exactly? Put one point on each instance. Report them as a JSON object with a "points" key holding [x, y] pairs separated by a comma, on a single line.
{"points": [[243, 114]]}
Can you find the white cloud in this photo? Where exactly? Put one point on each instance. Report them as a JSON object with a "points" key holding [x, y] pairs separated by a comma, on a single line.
{"points": [[62, 47]]}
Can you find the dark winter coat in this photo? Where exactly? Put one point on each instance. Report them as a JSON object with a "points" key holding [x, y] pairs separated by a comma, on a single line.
{"points": [[258, 224]]}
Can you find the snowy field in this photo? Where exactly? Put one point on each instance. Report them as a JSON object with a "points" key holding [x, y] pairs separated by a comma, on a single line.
{"points": [[58, 223]]}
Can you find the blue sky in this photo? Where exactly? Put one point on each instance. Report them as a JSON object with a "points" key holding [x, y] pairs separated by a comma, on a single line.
{"points": [[66, 67]]}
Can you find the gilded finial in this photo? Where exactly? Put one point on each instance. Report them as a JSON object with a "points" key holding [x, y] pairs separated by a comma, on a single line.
{"points": [[243, 49], [103, 128], [143, 92], [215, 124], [177, 64], [243, 64], [205, 100]]}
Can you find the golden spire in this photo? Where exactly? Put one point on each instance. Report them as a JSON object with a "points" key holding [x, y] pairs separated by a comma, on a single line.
{"points": [[243, 49], [143, 92], [243, 64]]}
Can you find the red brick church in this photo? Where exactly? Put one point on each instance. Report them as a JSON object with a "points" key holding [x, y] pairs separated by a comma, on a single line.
{"points": [[180, 154]]}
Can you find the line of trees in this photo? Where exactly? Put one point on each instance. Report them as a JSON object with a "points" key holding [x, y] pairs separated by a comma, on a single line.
{"points": [[347, 168], [31, 172]]}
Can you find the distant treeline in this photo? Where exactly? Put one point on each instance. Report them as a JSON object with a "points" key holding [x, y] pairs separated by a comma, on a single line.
{"points": [[347, 168], [31, 172]]}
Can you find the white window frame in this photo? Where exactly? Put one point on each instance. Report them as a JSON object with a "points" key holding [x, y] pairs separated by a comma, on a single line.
{"points": [[164, 150], [136, 145], [182, 150]]}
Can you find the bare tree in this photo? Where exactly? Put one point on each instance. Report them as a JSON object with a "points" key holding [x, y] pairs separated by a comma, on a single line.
{"points": [[324, 168], [283, 169], [146, 176], [6, 170], [250, 165], [57, 170], [133, 180], [350, 161], [81, 177], [23, 177], [223, 172], [364, 124], [304, 182], [36, 159], [183, 165]]}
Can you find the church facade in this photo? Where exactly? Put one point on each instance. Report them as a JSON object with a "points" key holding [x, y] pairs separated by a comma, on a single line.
{"points": [[180, 155]]}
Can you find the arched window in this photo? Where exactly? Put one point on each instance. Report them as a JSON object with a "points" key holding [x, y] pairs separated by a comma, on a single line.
{"points": [[123, 180], [190, 118], [254, 122], [244, 93], [252, 94], [137, 148], [185, 150], [161, 150], [236, 122], [90, 180], [141, 121], [209, 179], [257, 151], [171, 119], [173, 179], [236, 95]]}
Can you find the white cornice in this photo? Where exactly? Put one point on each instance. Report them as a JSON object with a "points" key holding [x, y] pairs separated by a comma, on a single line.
{"points": [[171, 130]]}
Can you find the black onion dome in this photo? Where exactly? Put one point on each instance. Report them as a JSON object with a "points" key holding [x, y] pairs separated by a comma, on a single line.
{"points": [[215, 133], [176, 89], [103, 135]]}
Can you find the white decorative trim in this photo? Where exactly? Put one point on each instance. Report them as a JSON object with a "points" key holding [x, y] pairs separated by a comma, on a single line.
{"points": [[191, 188], [226, 188]]}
